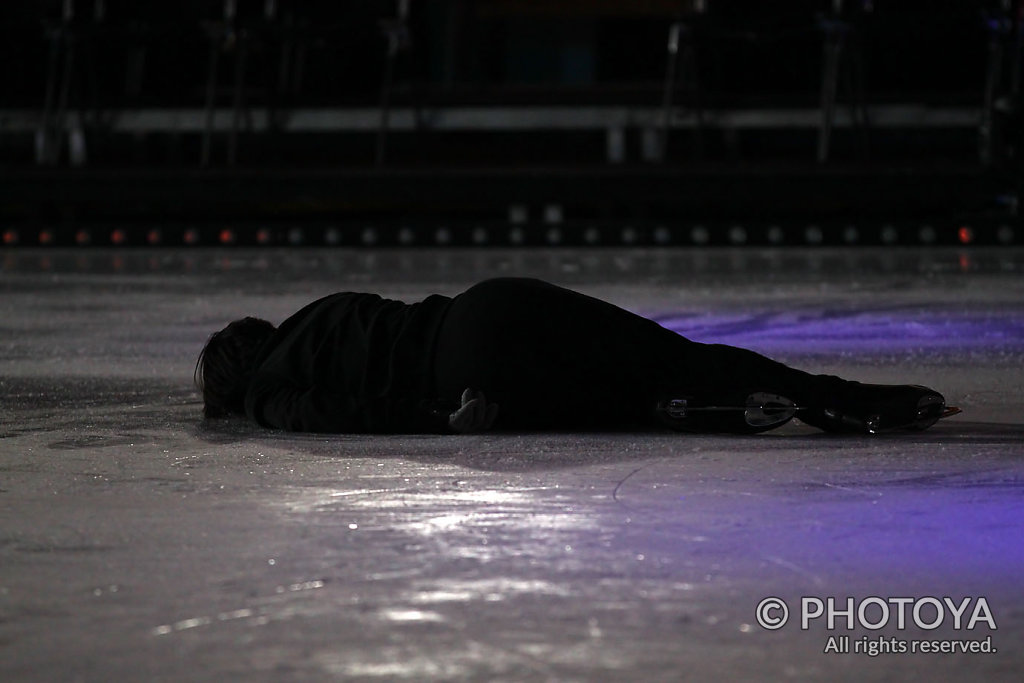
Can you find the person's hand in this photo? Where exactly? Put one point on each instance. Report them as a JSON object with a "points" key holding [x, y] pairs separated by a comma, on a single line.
{"points": [[475, 415]]}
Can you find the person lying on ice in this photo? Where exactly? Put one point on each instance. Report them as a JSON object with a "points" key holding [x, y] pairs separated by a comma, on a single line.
{"points": [[519, 354]]}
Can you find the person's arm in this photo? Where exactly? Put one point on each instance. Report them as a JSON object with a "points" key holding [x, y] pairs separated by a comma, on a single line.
{"points": [[280, 403]]}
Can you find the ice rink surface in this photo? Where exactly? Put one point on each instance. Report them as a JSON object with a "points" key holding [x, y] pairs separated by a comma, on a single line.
{"points": [[138, 543]]}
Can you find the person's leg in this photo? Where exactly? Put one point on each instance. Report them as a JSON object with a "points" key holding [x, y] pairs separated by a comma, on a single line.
{"points": [[553, 357], [536, 350]]}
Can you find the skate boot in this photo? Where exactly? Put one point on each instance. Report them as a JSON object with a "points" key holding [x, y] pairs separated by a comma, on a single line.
{"points": [[856, 408], [743, 413]]}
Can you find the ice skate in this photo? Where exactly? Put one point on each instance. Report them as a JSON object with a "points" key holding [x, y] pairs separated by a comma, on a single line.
{"points": [[746, 413], [874, 408]]}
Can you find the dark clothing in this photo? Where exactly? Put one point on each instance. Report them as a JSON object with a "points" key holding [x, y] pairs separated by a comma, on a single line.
{"points": [[552, 357], [350, 363], [548, 356]]}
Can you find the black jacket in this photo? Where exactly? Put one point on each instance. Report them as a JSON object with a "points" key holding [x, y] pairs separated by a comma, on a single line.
{"points": [[351, 363]]}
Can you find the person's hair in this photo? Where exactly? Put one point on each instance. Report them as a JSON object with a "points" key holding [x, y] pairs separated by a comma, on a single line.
{"points": [[226, 364]]}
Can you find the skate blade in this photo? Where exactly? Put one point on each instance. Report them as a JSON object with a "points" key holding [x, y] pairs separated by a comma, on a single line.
{"points": [[930, 410], [926, 421], [759, 412], [765, 411]]}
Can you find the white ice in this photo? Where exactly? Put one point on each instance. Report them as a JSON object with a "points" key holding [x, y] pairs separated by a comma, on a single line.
{"points": [[137, 543]]}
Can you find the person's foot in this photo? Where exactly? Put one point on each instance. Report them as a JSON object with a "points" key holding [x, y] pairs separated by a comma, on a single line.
{"points": [[742, 413], [852, 407]]}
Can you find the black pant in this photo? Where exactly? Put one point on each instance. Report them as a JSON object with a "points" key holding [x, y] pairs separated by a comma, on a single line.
{"points": [[551, 357]]}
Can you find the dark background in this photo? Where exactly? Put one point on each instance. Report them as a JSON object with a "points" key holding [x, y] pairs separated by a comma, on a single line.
{"points": [[751, 52], [510, 57]]}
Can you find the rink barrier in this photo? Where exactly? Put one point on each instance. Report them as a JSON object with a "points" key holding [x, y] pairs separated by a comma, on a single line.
{"points": [[517, 233], [440, 264]]}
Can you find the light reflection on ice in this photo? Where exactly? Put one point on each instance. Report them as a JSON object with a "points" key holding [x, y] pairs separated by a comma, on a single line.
{"points": [[419, 499], [357, 492], [255, 617], [443, 596], [410, 615], [490, 590], [393, 664], [469, 524], [303, 586], [443, 523], [310, 500]]}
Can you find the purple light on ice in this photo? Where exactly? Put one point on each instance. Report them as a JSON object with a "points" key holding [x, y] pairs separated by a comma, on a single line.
{"points": [[857, 332]]}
